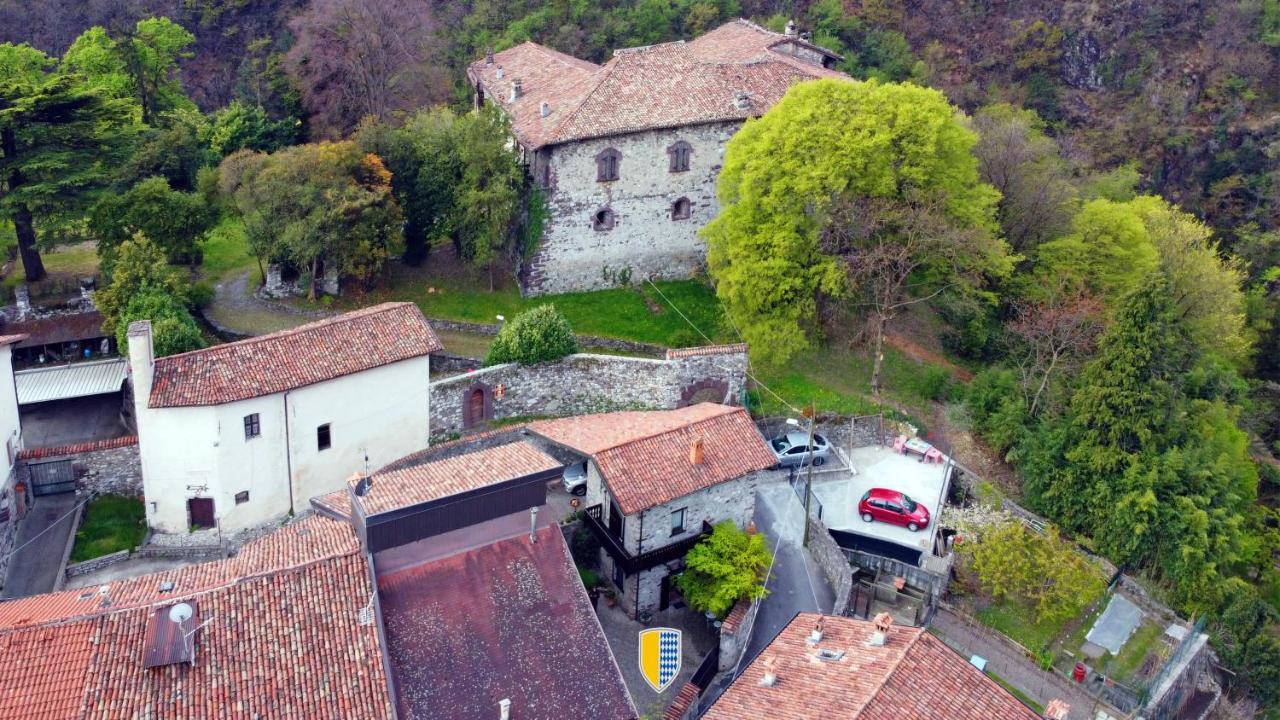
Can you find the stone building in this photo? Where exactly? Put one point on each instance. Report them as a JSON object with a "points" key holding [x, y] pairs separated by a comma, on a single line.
{"points": [[240, 434], [656, 483], [628, 152]]}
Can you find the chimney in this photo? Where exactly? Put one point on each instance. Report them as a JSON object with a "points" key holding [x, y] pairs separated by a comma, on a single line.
{"points": [[791, 28], [142, 361], [488, 57], [544, 109], [498, 73], [1057, 710], [22, 298], [742, 100], [533, 524], [361, 484], [815, 637], [517, 89], [882, 623], [696, 454], [770, 678], [504, 709]]}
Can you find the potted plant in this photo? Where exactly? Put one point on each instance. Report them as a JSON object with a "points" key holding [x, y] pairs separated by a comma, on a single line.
{"points": [[610, 598]]}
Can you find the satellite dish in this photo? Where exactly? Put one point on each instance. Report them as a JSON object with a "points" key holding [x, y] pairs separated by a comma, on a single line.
{"points": [[180, 613]]}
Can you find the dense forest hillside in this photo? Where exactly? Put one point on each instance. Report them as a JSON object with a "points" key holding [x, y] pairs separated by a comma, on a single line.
{"points": [[1190, 91]]}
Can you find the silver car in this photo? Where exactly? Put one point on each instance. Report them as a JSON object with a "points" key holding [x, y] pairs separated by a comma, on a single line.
{"points": [[575, 479], [791, 451]]}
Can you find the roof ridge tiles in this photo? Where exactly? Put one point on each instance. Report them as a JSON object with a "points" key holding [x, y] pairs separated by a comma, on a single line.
{"points": [[678, 428]]}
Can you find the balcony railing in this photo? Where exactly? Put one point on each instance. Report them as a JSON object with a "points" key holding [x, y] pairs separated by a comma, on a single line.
{"points": [[629, 563]]}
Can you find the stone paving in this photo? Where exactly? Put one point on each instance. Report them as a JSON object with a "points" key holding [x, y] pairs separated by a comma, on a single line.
{"points": [[699, 637], [41, 546]]}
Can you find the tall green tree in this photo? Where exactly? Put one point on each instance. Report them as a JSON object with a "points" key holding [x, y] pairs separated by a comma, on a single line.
{"points": [[59, 137], [141, 65], [319, 204], [488, 196], [140, 268], [901, 149], [175, 221]]}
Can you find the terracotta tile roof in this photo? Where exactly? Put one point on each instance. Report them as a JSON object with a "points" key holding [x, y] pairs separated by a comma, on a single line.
{"points": [[283, 641], [299, 543], [78, 448], [735, 349], [336, 504], [666, 85], [12, 338], [912, 676], [312, 353], [644, 456], [506, 620], [447, 476]]}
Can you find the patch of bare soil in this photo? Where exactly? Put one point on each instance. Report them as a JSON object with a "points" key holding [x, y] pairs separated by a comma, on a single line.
{"points": [[976, 455], [920, 353]]}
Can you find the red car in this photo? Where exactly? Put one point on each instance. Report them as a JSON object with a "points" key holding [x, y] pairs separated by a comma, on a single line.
{"points": [[893, 507]]}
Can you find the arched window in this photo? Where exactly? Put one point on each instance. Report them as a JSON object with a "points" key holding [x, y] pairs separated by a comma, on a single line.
{"points": [[681, 209], [679, 154], [607, 163], [602, 220]]}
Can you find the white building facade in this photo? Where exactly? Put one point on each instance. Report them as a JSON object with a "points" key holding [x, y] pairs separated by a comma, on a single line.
{"points": [[328, 400], [11, 505]]}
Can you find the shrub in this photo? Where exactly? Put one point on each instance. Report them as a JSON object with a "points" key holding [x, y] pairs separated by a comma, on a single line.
{"points": [[1042, 572], [534, 336], [173, 329], [726, 567]]}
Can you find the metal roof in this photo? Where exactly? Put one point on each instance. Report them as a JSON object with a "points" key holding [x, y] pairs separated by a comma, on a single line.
{"points": [[61, 382]]}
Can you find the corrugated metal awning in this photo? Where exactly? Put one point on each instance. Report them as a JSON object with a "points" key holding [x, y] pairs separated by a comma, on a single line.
{"points": [[61, 382]]}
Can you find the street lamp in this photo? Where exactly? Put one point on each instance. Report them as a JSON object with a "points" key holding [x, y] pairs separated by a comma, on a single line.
{"points": [[808, 483]]}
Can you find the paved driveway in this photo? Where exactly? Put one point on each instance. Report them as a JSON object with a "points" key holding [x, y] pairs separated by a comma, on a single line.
{"points": [[42, 537]]}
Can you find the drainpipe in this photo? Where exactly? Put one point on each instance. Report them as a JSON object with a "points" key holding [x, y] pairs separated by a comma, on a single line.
{"points": [[639, 552], [288, 452]]}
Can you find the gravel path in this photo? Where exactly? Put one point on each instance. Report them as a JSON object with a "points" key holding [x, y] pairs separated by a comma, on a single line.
{"points": [[237, 311]]}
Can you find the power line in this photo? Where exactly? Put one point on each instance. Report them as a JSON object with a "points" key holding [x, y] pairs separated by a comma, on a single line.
{"points": [[749, 374], [51, 526]]}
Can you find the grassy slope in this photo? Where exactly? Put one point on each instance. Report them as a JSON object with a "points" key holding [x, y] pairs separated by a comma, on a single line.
{"points": [[111, 523]]}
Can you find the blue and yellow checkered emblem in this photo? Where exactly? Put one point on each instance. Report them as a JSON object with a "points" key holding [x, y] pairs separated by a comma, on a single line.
{"points": [[659, 657]]}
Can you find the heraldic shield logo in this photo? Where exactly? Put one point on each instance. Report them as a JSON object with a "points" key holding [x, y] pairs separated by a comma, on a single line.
{"points": [[659, 657]]}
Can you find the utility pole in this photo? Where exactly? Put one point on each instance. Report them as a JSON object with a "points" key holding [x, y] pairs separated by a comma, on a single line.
{"points": [[808, 482]]}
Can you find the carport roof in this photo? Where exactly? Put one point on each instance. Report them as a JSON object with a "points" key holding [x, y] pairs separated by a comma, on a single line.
{"points": [[62, 382]]}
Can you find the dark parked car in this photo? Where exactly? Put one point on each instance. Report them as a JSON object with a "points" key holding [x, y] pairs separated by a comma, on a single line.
{"points": [[790, 449], [893, 507]]}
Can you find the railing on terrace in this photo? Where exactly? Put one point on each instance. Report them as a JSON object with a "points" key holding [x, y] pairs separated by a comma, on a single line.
{"points": [[634, 563]]}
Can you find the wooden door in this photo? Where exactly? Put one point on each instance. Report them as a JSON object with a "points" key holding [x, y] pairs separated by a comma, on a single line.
{"points": [[200, 511]]}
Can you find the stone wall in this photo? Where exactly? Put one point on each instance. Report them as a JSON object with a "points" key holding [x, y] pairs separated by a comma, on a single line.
{"points": [[645, 241], [587, 383], [831, 559], [88, 566], [105, 467], [584, 341]]}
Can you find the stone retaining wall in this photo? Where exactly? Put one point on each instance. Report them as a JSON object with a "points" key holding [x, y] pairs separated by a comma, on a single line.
{"points": [[88, 566], [587, 383], [105, 467], [831, 559], [586, 341]]}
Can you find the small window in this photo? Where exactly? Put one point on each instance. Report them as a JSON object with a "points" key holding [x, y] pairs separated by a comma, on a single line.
{"points": [[607, 165], [252, 427], [323, 441], [681, 209], [677, 522], [242, 497], [603, 220], [679, 155]]}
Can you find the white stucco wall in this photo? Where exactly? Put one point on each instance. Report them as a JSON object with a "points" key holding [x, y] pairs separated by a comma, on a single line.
{"points": [[10, 427], [644, 240], [202, 451]]}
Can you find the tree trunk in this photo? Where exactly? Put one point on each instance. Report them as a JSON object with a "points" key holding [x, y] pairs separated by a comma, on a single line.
{"points": [[490, 276], [23, 225], [879, 356], [25, 228], [315, 279]]}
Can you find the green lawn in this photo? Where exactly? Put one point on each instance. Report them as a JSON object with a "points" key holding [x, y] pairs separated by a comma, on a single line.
{"points": [[66, 263], [837, 379], [226, 251], [1018, 624], [639, 313], [111, 523], [1145, 639]]}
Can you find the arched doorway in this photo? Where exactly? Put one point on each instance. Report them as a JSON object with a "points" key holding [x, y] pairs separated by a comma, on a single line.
{"points": [[477, 404], [708, 390]]}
